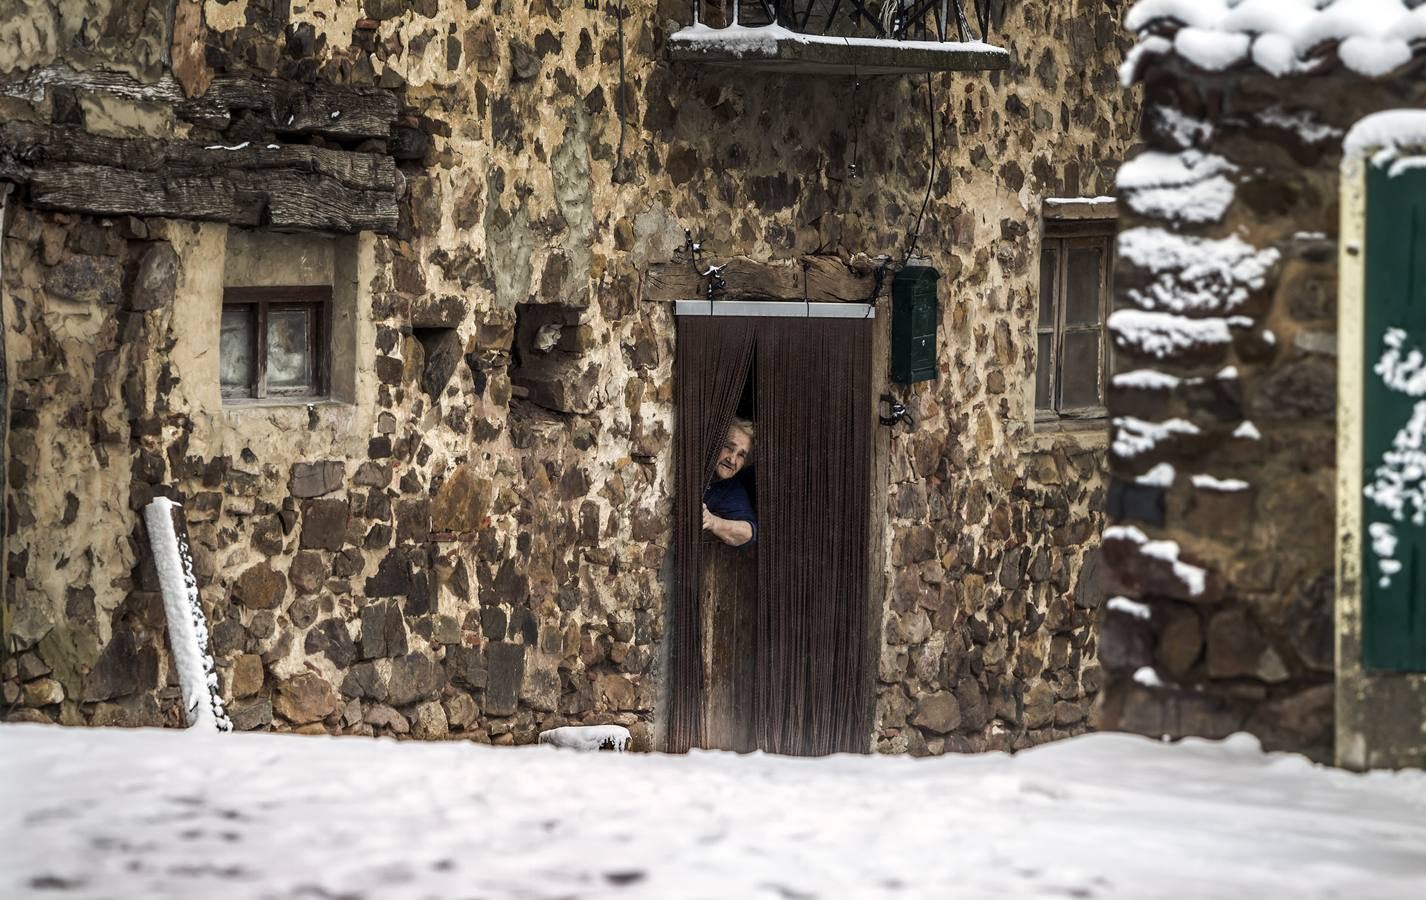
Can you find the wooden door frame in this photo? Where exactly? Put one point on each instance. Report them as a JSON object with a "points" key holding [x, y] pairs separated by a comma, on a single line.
{"points": [[879, 369]]}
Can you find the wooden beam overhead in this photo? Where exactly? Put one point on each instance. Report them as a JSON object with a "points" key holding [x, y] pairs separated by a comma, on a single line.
{"points": [[278, 186], [819, 279]]}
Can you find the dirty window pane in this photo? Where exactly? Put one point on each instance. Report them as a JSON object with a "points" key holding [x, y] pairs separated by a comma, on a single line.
{"points": [[1082, 286], [1049, 271], [235, 350], [289, 350], [1080, 372], [1044, 365]]}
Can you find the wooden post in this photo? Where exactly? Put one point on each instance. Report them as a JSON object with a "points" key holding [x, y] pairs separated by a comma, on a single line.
{"points": [[187, 626]]}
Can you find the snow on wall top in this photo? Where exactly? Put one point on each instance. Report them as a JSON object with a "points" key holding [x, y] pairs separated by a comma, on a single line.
{"points": [[1280, 37]]}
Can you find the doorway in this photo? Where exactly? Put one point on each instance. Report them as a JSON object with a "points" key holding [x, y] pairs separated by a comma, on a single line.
{"points": [[772, 643]]}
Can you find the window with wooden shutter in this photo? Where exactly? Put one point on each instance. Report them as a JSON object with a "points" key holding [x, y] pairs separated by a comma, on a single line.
{"points": [[1071, 351]]}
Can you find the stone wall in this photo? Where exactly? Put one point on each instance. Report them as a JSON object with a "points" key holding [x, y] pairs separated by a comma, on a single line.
{"points": [[478, 545], [1240, 402]]}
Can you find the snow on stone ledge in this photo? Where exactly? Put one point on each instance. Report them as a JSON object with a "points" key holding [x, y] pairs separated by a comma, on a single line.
{"points": [[1194, 578], [1130, 608], [1188, 186], [1224, 485], [587, 737], [1194, 274], [1148, 676], [1281, 37], [1161, 335], [1145, 380], [1133, 436]]}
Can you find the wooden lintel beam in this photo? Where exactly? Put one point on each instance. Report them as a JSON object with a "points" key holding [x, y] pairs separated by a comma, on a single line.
{"points": [[820, 279], [270, 198], [39, 145], [277, 186], [331, 110], [337, 111]]}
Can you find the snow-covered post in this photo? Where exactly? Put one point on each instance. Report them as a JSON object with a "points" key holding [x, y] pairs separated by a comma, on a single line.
{"points": [[187, 626]]}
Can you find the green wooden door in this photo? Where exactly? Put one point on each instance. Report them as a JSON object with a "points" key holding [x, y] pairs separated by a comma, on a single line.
{"points": [[1394, 423]]}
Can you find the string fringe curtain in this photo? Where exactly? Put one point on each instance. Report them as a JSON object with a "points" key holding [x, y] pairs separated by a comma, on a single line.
{"points": [[710, 371], [813, 690]]}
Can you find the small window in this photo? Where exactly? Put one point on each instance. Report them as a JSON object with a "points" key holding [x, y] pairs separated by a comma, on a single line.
{"points": [[273, 342], [1072, 353]]}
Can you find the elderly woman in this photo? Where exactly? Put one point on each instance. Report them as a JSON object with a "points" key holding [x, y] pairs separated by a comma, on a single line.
{"points": [[728, 514]]}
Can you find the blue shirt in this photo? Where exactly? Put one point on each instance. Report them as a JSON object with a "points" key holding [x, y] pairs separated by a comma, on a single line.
{"points": [[728, 499]]}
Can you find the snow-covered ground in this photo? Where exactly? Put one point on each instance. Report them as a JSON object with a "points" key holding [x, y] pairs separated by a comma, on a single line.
{"points": [[110, 813]]}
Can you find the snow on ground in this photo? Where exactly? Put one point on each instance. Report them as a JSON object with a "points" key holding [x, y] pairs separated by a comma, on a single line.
{"points": [[111, 813]]}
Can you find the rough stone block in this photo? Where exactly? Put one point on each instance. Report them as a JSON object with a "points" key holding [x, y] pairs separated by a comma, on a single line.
{"points": [[1126, 642], [462, 502], [364, 680], [330, 637], [247, 675], [1237, 648], [304, 698], [506, 665], [937, 711], [316, 478], [124, 667], [86, 279], [324, 524], [1180, 641], [383, 631], [413, 520], [157, 278], [309, 571], [379, 715], [251, 715], [414, 677], [260, 587]]}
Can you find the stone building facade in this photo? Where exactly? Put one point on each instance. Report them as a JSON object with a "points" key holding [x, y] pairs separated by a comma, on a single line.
{"points": [[471, 537], [1225, 492]]}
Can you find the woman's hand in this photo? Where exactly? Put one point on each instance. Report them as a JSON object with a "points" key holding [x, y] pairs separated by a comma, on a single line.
{"points": [[733, 532]]}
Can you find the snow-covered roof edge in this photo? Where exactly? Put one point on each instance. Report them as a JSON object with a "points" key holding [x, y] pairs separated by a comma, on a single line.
{"points": [[1373, 38]]}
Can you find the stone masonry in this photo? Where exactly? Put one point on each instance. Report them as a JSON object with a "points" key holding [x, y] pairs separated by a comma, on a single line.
{"points": [[475, 542], [1248, 500]]}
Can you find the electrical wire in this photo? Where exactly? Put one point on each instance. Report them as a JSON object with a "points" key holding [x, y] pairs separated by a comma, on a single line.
{"points": [[931, 178], [623, 90]]}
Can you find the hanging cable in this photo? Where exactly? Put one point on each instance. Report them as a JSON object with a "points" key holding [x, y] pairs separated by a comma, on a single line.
{"points": [[623, 91], [931, 178]]}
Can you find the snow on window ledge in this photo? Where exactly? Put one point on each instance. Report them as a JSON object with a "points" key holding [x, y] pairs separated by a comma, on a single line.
{"points": [[1055, 208]]}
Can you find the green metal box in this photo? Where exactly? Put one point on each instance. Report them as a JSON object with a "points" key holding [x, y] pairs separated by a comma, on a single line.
{"points": [[914, 313]]}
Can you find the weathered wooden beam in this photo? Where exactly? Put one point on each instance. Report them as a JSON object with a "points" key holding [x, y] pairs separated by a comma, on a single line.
{"points": [[39, 145], [268, 198], [822, 279], [329, 110], [829, 281], [336, 111], [277, 186]]}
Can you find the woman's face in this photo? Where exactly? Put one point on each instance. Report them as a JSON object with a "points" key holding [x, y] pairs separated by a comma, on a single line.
{"points": [[733, 455]]}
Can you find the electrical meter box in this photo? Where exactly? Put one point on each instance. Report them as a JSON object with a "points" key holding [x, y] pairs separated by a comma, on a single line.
{"points": [[914, 314]]}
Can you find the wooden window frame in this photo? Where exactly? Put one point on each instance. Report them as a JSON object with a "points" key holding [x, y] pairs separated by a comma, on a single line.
{"points": [[263, 300], [1063, 236]]}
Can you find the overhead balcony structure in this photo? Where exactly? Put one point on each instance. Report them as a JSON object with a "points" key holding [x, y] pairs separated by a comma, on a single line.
{"points": [[840, 37]]}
